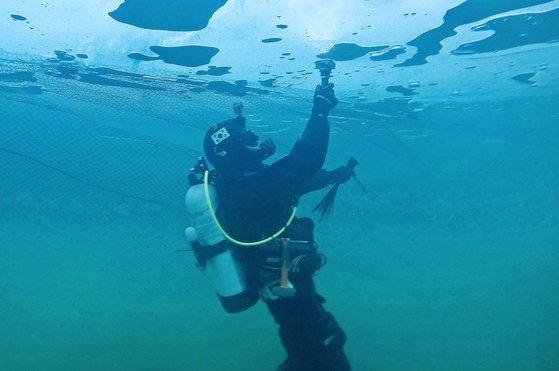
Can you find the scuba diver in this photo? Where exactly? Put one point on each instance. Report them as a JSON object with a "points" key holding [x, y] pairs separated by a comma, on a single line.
{"points": [[248, 238]]}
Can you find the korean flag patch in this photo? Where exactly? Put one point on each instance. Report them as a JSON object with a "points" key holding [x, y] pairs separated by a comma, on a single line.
{"points": [[220, 135]]}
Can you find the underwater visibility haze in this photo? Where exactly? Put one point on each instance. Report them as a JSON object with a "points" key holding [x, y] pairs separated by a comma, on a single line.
{"points": [[443, 255]]}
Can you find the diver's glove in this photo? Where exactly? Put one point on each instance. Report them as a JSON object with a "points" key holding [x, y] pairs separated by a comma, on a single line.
{"points": [[268, 148], [324, 100], [340, 175]]}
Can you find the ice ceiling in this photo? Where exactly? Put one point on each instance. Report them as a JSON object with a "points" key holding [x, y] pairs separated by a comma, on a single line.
{"points": [[433, 49]]}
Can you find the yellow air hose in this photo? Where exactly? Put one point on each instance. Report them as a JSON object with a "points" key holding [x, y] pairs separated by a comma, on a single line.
{"points": [[231, 239]]}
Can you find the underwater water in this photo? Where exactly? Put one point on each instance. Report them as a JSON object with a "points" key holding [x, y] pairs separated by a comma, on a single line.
{"points": [[448, 261]]}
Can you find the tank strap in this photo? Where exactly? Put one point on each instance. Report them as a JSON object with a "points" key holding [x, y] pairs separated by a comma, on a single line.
{"points": [[202, 254]]}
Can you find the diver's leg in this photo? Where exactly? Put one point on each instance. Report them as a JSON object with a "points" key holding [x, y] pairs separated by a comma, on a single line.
{"points": [[316, 346], [311, 336]]}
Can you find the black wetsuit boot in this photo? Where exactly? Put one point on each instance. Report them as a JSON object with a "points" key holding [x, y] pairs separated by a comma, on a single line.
{"points": [[311, 336], [316, 346]]}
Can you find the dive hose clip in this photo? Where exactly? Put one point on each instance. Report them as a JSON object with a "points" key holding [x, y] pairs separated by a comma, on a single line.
{"points": [[196, 173]]}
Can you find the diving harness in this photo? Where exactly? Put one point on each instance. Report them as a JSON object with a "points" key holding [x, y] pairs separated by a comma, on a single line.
{"points": [[209, 241]]}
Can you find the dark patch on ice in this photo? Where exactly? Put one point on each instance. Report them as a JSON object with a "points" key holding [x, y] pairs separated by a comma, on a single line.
{"points": [[525, 78], [30, 90], [349, 51], [82, 56], [281, 26], [141, 57], [17, 17], [18, 77], [63, 56], [402, 90], [190, 82], [271, 40], [65, 71], [110, 71], [388, 53], [100, 76], [513, 31], [197, 90], [233, 89], [97, 79], [214, 71], [170, 15], [188, 56], [269, 83], [429, 43], [241, 82]]}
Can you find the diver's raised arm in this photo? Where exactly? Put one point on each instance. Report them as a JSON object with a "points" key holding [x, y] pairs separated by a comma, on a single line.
{"points": [[311, 147]]}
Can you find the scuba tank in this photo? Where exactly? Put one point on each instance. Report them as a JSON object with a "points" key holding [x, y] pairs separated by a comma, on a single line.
{"points": [[212, 250]]}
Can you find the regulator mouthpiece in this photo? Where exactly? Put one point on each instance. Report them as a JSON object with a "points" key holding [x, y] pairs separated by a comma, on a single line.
{"points": [[325, 66]]}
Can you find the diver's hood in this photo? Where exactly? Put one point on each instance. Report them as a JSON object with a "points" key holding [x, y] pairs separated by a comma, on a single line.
{"points": [[229, 146]]}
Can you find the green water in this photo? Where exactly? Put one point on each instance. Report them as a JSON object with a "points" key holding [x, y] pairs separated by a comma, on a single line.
{"points": [[448, 262]]}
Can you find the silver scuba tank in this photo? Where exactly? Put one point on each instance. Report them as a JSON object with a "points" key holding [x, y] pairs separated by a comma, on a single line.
{"points": [[205, 237]]}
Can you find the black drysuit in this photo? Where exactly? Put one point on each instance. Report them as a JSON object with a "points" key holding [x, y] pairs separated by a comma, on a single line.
{"points": [[255, 205]]}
